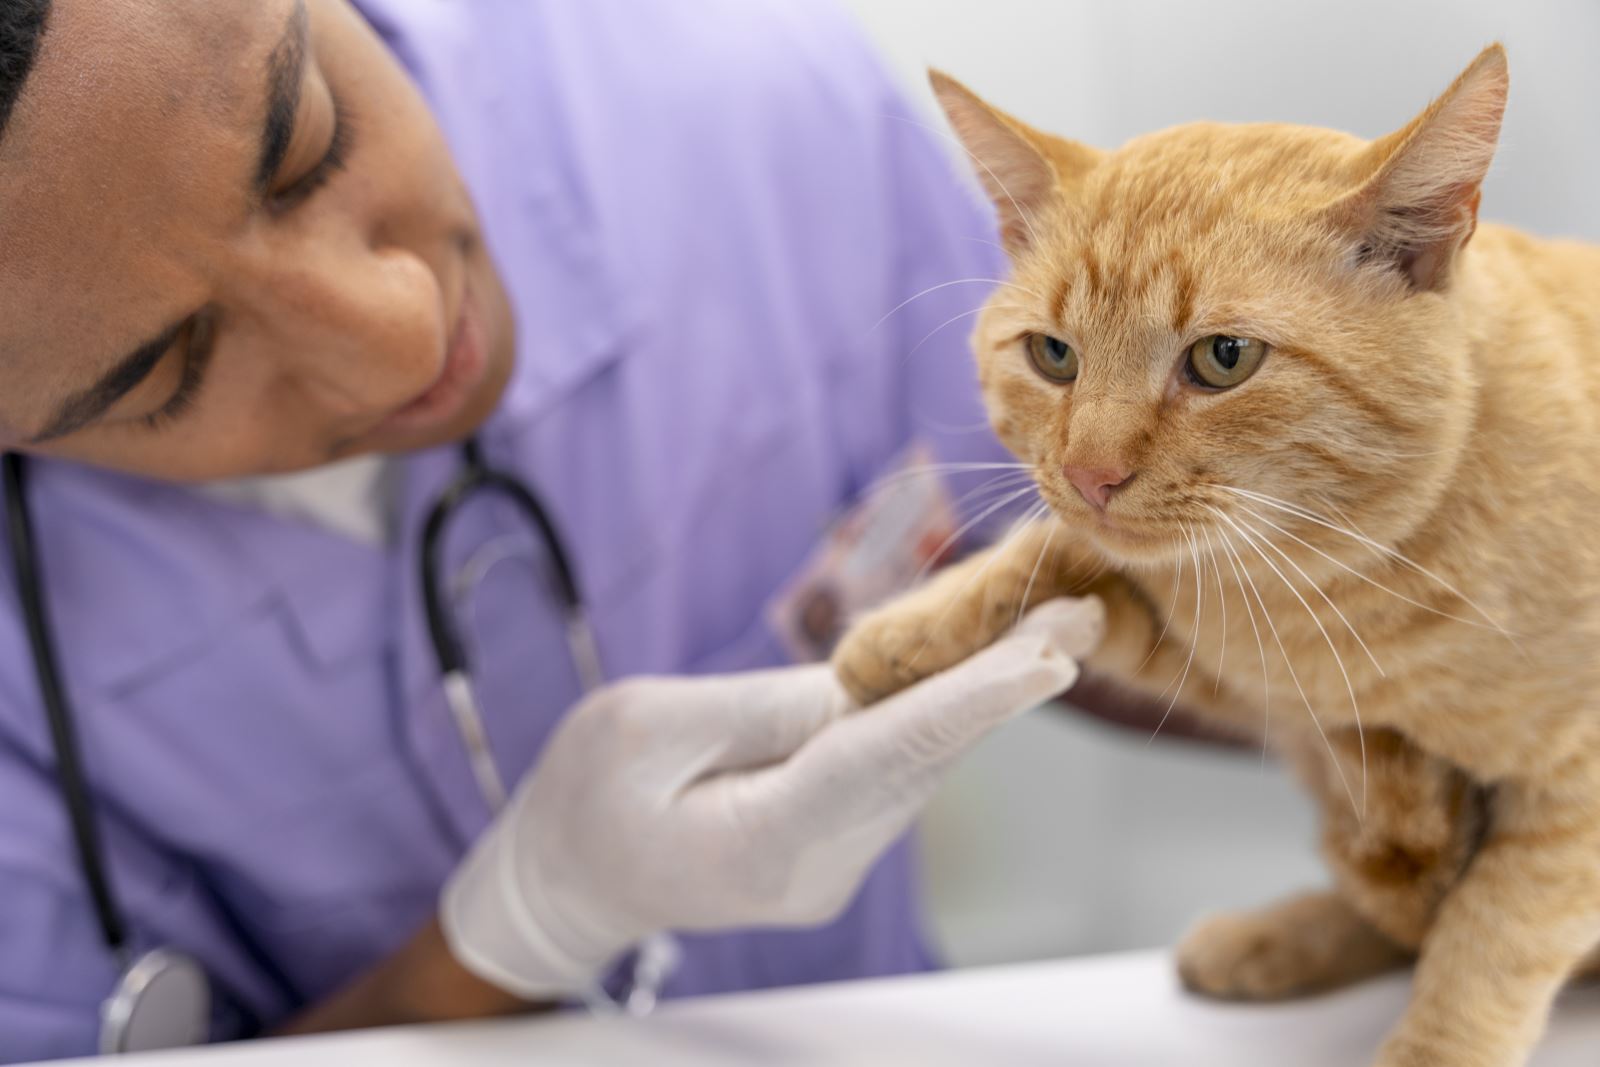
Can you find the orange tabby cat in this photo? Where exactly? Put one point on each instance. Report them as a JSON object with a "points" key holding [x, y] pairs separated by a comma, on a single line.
{"points": [[1330, 453]]}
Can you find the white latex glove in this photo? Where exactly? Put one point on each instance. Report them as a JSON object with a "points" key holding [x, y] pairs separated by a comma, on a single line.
{"points": [[758, 799]]}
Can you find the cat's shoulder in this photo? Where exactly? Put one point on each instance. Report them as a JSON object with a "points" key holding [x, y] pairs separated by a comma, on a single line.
{"points": [[1556, 266], [1513, 245]]}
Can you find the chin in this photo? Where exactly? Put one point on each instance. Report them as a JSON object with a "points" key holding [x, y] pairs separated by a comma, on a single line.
{"points": [[1124, 541], [1136, 548]]}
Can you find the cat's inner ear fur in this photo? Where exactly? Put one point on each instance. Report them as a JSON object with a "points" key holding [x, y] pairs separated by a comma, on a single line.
{"points": [[1417, 204], [1021, 168]]}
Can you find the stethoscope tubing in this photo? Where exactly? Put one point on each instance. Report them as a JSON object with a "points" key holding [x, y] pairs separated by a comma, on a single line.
{"points": [[476, 477], [70, 776], [166, 966]]}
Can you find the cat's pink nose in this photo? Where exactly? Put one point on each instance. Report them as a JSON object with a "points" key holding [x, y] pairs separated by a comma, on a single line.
{"points": [[1096, 484]]}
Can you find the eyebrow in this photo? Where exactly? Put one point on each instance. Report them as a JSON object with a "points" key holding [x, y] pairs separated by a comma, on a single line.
{"points": [[285, 74]]}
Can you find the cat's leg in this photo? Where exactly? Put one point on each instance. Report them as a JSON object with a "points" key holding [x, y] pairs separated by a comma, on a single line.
{"points": [[961, 610], [1399, 826], [1393, 866], [1523, 917], [968, 605], [1304, 945], [1144, 655]]}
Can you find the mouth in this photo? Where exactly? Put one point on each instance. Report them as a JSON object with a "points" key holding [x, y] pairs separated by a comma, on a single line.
{"points": [[1119, 537], [1071, 509], [464, 366]]}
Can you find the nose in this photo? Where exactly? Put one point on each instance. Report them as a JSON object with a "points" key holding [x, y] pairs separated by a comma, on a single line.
{"points": [[1096, 484]]}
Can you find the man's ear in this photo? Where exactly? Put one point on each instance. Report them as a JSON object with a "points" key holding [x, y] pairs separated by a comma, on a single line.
{"points": [[1417, 204], [1020, 167]]}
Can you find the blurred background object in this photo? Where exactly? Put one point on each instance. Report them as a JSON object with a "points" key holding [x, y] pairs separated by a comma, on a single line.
{"points": [[1063, 835]]}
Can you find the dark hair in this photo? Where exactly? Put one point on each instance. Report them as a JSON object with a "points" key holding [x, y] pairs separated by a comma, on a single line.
{"points": [[21, 29]]}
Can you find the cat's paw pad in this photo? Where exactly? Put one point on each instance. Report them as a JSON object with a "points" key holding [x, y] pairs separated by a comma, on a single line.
{"points": [[1248, 957]]}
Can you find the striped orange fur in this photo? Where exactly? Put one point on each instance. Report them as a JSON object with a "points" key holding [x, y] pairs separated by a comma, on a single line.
{"points": [[1379, 554]]}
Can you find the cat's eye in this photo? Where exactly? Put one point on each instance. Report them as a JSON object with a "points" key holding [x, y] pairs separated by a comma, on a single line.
{"points": [[1052, 357], [1220, 361]]}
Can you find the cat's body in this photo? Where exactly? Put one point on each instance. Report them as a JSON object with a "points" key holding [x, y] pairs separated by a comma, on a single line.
{"points": [[1415, 460]]}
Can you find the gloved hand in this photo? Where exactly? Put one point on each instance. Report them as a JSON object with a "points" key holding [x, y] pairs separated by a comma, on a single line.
{"points": [[703, 803]]}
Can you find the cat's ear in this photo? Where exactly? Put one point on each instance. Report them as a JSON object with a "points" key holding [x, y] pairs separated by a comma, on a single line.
{"points": [[1418, 202], [1020, 167]]}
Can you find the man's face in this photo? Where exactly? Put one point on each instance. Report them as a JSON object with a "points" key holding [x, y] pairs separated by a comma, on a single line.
{"points": [[232, 241]]}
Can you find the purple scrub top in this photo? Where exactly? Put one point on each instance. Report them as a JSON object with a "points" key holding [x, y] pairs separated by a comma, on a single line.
{"points": [[702, 212]]}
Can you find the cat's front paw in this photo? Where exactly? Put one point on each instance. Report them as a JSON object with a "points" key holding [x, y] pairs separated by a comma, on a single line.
{"points": [[1304, 945], [1241, 958], [889, 650]]}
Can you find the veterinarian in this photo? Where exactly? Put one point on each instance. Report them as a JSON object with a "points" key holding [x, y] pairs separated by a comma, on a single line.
{"points": [[374, 374]]}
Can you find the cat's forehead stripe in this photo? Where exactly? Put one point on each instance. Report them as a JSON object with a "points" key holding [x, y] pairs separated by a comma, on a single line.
{"points": [[1183, 293], [1125, 280]]}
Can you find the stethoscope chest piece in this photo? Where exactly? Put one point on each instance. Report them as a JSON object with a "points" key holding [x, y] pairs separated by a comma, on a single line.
{"points": [[161, 1002]]}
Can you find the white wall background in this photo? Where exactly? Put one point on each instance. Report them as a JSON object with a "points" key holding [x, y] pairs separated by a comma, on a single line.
{"points": [[1062, 836]]}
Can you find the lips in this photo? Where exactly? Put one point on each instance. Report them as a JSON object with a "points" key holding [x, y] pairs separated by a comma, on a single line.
{"points": [[464, 366]]}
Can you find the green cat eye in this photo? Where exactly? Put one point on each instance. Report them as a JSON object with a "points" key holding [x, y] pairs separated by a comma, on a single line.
{"points": [[1052, 357], [1220, 361]]}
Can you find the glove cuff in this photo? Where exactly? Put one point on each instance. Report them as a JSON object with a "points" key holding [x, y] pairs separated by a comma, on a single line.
{"points": [[491, 923]]}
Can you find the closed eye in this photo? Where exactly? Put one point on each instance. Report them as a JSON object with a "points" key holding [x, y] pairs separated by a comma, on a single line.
{"points": [[197, 344], [332, 162]]}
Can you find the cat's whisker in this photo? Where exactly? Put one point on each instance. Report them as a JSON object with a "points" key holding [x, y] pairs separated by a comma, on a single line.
{"points": [[1027, 590], [1266, 686], [953, 318], [1317, 588], [1371, 544], [1222, 597], [961, 531], [1183, 542], [1005, 474], [998, 483], [1033, 234], [998, 550], [1336, 510], [1254, 536], [1294, 676], [955, 467], [1194, 637], [976, 500], [985, 241], [1055, 559], [914, 297], [1166, 620], [1333, 508], [1385, 551], [1034, 516]]}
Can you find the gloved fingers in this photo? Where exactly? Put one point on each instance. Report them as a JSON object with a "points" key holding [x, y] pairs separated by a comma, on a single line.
{"points": [[802, 831], [739, 721], [895, 752], [943, 716]]}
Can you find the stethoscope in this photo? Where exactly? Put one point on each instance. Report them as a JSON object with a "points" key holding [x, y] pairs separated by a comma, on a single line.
{"points": [[162, 998]]}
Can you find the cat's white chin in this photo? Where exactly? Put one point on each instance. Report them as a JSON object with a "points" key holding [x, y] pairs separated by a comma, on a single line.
{"points": [[1124, 543]]}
